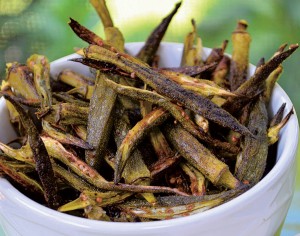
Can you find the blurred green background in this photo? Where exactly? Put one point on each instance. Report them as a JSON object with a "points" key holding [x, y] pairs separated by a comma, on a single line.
{"points": [[40, 26]]}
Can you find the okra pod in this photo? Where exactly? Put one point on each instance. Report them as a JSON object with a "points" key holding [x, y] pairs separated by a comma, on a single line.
{"points": [[40, 66], [176, 111], [100, 121], [40, 155], [176, 206], [192, 54], [63, 137], [200, 157], [148, 51], [252, 87], [240, 55], [251, 162], [67, 114], [273, 131], [21, 178], [167, 87], [83, 85], [151, 120], [20, 78], [135, 171], [192, 71]]}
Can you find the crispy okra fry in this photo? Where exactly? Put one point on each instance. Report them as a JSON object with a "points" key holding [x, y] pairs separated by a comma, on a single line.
{"points": [[67, 114], [157, 139], [20, 177], [115, 38], [83, 85], [68, 98], [135, 171], [71, 178], [63, 137], [20, 78], [197, 179], [154, 118], [84, 33], [251, 162], [96, 213], [163, 164], [177, 206], [14, 118], [40, 155], [148, 51], [59, 152], [94, 198], [191, 54], [112, 34], [192, 70], [278, 116], [204, 87], [167, 87], [147, 54], [81, 131], [100, 121], [176, 111], [273, 131], [40, 66], [252, 86], [23, 101], [82, 169], [103, 99], [234, 137], [200, 157], [240, 55], [221, 71], [216, 54], [23, 154], [270, 83], [17, 165], [101, 9]]}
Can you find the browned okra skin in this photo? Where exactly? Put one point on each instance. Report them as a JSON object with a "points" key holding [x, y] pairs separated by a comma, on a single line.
{"points": [[192, 70], [147, 54], [200, 157], [273, 131], [102, 11], [135, 170], [67, 114], [41, 157], [64, 137], [84, 33], [167, 87], [100, 121], [148, 51], [176, 111], [169, 207], [20, 177], [154, 118], [20, 77], [240, 55], [278, 116], [252, 160], [252, 86]]}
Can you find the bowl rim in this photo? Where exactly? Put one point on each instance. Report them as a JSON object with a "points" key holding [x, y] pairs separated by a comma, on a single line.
{"points": [[286, 159]]}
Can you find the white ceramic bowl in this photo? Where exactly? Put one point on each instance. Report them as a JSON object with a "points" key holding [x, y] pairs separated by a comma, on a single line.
{"points": [[260, 211]]}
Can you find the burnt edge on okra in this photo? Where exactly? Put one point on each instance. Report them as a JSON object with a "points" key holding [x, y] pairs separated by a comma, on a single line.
{"points": [[135, 142]]}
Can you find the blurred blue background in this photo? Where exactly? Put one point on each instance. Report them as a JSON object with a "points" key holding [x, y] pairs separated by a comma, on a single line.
{"points": [[40, 26]]}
